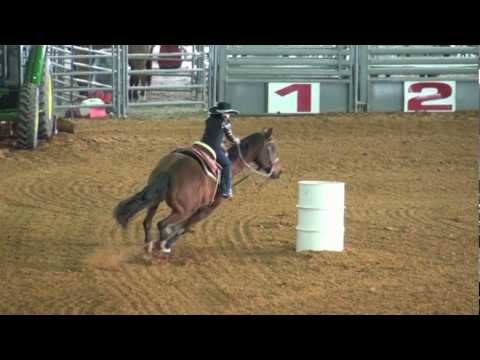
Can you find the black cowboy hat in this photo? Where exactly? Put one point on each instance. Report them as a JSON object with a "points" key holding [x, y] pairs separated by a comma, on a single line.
{"points": [[223, 108]]}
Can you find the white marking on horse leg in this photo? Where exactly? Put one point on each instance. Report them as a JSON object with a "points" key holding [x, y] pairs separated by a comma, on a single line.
{"points": [[150, 247], [164, 248]]}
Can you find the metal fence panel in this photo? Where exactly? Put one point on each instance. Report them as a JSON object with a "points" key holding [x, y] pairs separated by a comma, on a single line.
{"points": [[80, 70], [245, 71], [351, 77], [389, 66], [184, 86]]}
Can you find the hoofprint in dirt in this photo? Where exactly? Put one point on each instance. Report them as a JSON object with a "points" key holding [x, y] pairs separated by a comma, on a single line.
{"points": [[411, 222]]}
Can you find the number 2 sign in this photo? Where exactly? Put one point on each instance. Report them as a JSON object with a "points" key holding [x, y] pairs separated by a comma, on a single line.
{"points": [[292, 98], [430, 96]]}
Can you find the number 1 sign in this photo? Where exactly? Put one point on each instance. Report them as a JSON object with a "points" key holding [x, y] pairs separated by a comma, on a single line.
{"points": [[429, 96], [293, 98]]}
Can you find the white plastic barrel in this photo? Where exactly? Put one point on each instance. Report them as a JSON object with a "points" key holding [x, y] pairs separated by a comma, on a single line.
{"points": [[321, 209]]}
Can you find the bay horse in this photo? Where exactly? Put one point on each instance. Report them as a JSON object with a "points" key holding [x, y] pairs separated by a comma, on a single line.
{"points": [[139, 64], [182, 183]]}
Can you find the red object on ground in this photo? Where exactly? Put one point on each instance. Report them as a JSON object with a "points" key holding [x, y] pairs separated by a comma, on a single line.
{"points": [[97, 113]]}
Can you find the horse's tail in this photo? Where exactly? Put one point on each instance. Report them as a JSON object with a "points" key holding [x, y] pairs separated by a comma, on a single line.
{"points": [[153, 193]]}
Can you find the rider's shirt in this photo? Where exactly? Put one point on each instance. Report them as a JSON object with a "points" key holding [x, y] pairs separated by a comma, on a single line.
{"points": [[217, 128]]}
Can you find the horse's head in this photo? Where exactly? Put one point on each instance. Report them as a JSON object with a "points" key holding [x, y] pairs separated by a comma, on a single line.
{"points": [[261, 150], [268, 159]]}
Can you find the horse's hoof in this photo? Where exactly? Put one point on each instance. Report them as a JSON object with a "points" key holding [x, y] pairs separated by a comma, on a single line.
{"points": [[164, 249]]}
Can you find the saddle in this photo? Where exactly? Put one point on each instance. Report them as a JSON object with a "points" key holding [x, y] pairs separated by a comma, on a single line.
{"points": [[206, 157]]}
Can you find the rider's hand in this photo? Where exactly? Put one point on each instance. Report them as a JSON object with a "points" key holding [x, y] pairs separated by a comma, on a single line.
{"points": [[237, 141]]}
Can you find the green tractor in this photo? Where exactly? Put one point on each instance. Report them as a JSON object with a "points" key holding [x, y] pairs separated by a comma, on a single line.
{"points": [[26, 94]]}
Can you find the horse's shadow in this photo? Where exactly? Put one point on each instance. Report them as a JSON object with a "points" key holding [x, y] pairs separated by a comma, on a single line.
{"points": [[189, 258], [158, 259], [271, 252]]}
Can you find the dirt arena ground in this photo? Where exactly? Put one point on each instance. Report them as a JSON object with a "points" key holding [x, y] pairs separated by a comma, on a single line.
{"points": [[411, 222]]}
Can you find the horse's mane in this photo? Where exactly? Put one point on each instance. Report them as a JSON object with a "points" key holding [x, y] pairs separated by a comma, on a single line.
{"points": [[246, 144]]}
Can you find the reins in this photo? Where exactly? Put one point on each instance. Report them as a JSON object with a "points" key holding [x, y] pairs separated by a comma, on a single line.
{"points": [[251, 168]]}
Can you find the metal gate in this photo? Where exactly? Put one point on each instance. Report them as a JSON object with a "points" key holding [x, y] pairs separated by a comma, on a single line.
{"points": [[245, 71], [383, 71], [185, 86], [80, 70], [349, 77]]}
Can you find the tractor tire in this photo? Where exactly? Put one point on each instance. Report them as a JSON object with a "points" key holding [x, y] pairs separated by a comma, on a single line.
{"points": [[47, 123], [26, 129]]}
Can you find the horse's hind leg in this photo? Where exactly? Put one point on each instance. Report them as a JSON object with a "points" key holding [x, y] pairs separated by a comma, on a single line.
{"points": [[167, 227], [167, 244], [147, 224], [147, 79], [133, 94], [143, 93], [198, 216]]}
